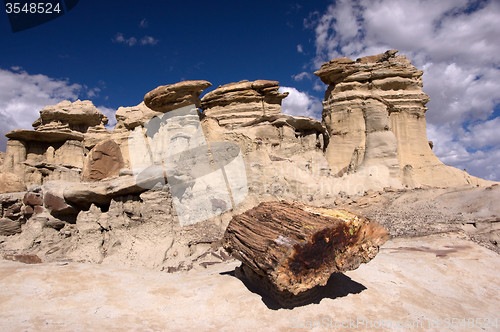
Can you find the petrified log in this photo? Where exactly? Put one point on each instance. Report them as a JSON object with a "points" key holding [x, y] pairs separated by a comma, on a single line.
{"points": [[295, 247]]}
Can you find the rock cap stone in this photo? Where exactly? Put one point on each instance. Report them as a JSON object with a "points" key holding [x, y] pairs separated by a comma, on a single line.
{"points": [[50, 136], [166, 98], [382, 65], [76, 113]]}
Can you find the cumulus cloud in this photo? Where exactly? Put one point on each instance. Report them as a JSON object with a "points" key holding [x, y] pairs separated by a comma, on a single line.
{"points": [[455, 42], [148, 40], [22, 96], [300, 103], [110, 113], [120, 39], [301, 76], [94, 92], [300, 49], [318, 86], [143, 23]]}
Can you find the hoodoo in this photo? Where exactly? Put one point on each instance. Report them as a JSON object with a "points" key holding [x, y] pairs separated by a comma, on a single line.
{"points": [[374, 111]]}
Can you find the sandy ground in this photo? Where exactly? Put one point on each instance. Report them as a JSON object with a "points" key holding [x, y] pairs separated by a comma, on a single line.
{"points": [[417, 282]]}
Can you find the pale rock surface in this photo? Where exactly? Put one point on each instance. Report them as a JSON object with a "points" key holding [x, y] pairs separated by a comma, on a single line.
{"points": [[10, 182], [141, 120], [130, 117], [418, 282], [237, 103], [281, 161], [374, 110], [83, 194]]}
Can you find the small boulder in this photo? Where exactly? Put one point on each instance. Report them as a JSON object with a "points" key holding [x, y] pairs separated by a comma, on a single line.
{"points": [[33, 199]]}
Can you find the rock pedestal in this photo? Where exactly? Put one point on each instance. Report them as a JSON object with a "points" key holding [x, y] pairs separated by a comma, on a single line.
{"points": [[56, 148], [374, 110]]}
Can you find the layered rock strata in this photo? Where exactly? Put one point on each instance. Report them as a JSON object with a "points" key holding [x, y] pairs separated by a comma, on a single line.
{"points": [[121, 211], [237, 103], [56, 148], [374, 110]]}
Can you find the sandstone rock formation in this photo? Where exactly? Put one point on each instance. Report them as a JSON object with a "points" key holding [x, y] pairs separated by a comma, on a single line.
{"points": [[374, 110], [90, 194], [10, 182], [170, 97], [237, 103], [55, 150], [11, 214], [130, 117]]}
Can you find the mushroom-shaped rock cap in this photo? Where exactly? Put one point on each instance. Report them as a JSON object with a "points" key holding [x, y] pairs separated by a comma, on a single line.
{"points": [[385, 64], [78, 112], [244, 92], [167, 98], [259, 85]]}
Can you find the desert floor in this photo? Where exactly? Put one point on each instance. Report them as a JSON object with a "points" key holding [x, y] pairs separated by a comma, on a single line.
{"points": [[414, 283]]}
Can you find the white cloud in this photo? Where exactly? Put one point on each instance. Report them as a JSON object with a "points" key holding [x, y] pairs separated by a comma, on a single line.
{"points": [[455, 42], [300, 103], [319, 86], [459, 153], [143, 23], [110, 113], [148, 40], [120, 39], [22, 96], [300, 49], [483, 134], [301, 76], [94, 92]]}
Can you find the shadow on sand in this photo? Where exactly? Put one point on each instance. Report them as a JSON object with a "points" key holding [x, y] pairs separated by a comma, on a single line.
{"points": [[339, 285]]}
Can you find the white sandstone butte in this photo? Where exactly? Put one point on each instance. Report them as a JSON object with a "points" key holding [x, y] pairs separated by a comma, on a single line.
{"points": [[374, 111]]}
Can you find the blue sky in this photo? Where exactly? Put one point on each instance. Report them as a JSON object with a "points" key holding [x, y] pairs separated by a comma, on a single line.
{"points": [[114, 53]]}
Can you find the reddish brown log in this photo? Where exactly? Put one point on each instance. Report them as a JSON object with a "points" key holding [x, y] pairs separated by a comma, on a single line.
{"points": [[296, 247]]}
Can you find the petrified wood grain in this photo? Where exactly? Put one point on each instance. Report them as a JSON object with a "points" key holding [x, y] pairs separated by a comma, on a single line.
{"points": [[297, 247]]}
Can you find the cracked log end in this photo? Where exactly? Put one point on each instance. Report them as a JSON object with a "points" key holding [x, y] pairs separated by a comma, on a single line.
{"points": [[296, 247]]}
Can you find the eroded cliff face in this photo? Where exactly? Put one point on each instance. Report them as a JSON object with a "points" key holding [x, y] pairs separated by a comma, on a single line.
{"points": [[159, 190], [374, 110]]}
